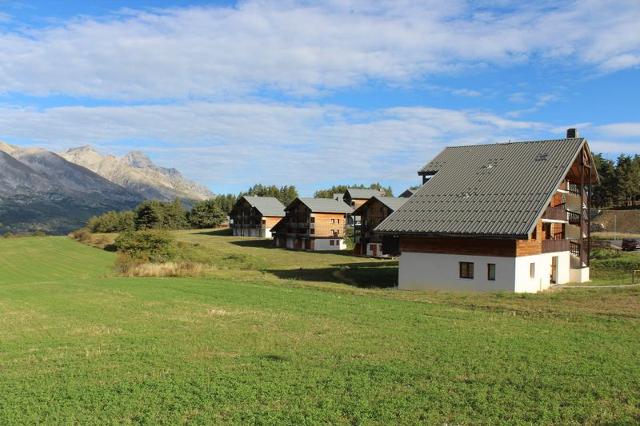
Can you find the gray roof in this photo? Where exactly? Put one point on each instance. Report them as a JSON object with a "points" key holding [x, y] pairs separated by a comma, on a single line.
{"points": [[363, 193], [326, 205], [497, 190], [393, 203], [408, 193], [337, 196], [267, 206]]}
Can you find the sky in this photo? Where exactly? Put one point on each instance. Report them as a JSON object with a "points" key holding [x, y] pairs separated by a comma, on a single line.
{"points": [[316, 93]]}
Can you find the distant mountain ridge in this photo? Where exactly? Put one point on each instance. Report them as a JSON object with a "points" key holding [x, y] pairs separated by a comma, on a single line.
{"points": [[42, 190], [137, 173]]}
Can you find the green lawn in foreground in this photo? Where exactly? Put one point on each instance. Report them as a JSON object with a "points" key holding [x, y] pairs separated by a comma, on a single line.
{"points": [[80, 346]]}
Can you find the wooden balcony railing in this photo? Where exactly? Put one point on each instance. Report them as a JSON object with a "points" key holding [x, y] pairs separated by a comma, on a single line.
{"points": [[555, 213], [551, 246]]}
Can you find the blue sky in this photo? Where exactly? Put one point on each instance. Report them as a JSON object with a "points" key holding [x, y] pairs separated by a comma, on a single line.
{"points": [[314, 94]]}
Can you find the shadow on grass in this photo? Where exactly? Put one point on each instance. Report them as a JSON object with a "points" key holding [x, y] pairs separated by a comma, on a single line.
{"points": [[269, 244], [362, 275], [224, 232]]}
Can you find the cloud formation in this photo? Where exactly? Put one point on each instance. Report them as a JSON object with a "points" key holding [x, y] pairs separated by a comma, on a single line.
{"points": [[304, 48], [241, 143]]}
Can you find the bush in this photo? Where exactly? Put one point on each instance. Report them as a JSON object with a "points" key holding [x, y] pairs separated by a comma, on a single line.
{"points": [[149, 245], [605, 253], [83, 235], [112, 222], [206, 214]]}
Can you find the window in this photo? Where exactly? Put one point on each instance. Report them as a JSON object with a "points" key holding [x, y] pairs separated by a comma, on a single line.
{"points": [[532, 270], [338, 221], [534, 234], [330, 242], [466, 270], [333, 221], [491, 271]]}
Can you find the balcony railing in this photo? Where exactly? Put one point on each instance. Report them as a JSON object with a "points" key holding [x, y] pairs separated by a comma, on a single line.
{"points": [[555, 213], [551, 246], [574, 217]]}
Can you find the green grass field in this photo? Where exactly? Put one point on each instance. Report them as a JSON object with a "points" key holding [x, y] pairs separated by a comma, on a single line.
{"points": [[273, 336]]}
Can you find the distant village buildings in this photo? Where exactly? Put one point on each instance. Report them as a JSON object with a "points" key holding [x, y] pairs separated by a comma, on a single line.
{"points": [[510, 216]]}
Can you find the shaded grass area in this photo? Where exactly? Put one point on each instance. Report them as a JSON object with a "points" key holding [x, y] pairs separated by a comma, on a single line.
{"points": [[81, 346]]}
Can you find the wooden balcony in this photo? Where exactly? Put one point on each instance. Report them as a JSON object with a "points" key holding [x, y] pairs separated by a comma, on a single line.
{"points": [[555, 213], [552, 246]]}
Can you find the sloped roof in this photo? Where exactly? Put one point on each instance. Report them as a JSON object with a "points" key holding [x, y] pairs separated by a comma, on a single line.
{"points": [[393, 203], [337, 196], [267, 206], [408, 193], [497, 190], [363, 193], [325, 205]]}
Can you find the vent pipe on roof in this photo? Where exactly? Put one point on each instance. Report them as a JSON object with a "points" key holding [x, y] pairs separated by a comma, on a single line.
{"points": [[572, 133]]}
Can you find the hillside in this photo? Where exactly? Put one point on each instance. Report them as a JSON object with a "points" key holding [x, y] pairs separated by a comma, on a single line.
{"points": [[42, 190], [622, 221], [137, 173], [244, 349]]}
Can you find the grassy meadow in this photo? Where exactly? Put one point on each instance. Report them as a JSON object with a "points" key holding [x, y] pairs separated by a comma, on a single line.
{"points": [[272, 336]]}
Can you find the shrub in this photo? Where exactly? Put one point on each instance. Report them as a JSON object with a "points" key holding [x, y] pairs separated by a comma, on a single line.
{"points": [[148, 245], [83, 235], [206, 214], [112, 222]]}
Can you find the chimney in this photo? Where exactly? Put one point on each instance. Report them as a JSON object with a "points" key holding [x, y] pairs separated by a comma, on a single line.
{"points": [[572, 133]]}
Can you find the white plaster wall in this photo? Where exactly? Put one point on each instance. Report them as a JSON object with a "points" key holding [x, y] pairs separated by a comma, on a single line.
{"points": [[580, 275], [422, 271], [435, 271], [323, 244], [290, 243], [542, 279]]}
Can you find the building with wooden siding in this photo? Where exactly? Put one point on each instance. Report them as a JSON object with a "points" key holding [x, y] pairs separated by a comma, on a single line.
{"points": [[255, 216], [511, 216], [372, 213], [313, 224], [356, 197]]}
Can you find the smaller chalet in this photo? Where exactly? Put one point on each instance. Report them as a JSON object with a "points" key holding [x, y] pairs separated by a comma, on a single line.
{"points": [[313, 224], [255, 216], [372, 213], [408, 193], [356, 197]]}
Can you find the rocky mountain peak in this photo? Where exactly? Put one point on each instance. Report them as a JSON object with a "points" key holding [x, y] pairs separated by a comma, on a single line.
{"points": [[138, 159]]}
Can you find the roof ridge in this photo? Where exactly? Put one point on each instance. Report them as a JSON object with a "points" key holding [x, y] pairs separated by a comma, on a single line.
{"points": [[514, 142]]}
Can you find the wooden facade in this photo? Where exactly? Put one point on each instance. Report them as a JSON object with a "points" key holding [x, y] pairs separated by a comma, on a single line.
{"points": [[306, 229], [367, 241], [247, 221], [552, 233]]}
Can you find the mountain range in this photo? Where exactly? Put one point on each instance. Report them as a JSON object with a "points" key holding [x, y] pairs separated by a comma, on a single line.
{"points": [[58, 192]]}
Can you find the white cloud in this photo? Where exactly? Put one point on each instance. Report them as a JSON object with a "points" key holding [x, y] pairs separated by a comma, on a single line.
{"points": [[304, 48], [631, 129], [242, 143]]}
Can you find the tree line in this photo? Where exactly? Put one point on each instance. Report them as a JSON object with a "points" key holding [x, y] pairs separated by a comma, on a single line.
{"points": [[210, 213], [619, 182]]}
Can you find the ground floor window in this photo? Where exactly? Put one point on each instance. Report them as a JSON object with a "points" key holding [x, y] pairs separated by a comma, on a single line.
{"points": [[491, 271], [330, 242], [466, 270], [532, 270]]}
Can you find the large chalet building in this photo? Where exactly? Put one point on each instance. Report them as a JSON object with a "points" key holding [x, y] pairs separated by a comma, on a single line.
{"points": [[313, 224], [255, 216], [510, 216], [372, 213]]}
